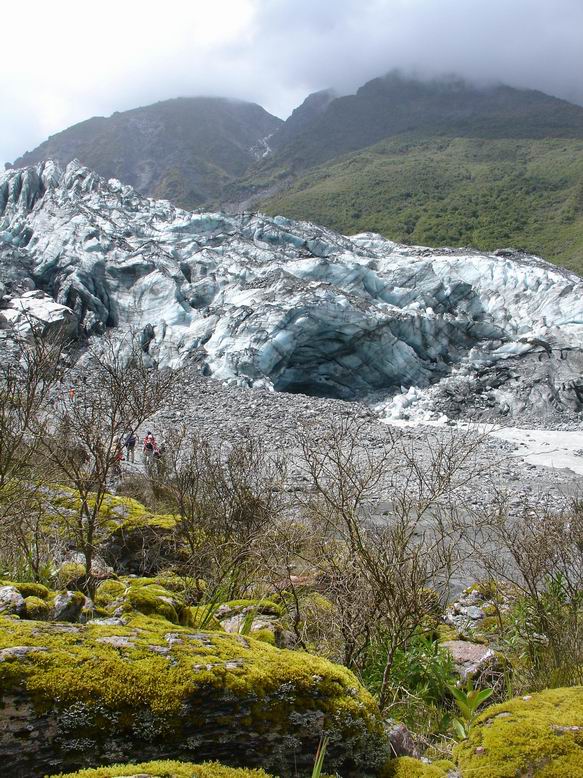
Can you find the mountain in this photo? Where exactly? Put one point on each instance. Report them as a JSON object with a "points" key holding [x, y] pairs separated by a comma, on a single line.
{"points": [[184, 149], [393, 105], [313, 107], [439, 162], [273, 303]]}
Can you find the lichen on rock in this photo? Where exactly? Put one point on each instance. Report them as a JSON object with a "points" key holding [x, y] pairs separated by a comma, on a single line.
{"points": [[101, 693], [166, 769]]}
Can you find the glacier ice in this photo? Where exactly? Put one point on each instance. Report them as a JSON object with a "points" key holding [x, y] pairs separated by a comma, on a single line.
{"points": [[270, 301]]}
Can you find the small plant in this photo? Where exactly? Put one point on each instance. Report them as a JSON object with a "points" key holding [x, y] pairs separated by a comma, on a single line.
{"points": [[320, 756], [468, 701]]}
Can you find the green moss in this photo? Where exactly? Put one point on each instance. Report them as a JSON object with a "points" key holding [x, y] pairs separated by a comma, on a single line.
{"points": [[168, 769], [116, 513], [29, 589], [150, 600], [117, 667], [539, 735], [447, 632], [69, 574], [108, 592], [408, 767], [35, 608], [264, 635]]}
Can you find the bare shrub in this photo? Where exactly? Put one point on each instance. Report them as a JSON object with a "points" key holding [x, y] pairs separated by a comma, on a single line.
{"points": [[28, 374], [538, 555], [226, 495], [385, 576], [82, 435]]}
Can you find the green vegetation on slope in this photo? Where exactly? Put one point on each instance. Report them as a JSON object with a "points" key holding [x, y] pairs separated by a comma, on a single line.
{"points": [[487, 194]]}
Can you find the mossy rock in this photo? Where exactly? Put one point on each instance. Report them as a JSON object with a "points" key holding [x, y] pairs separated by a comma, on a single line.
{"points": [[147, 596], [151, 600], [81, 695], [537, 735], [130, 538], [29, 589], [167, 769], [108, 593], [69, 575], [36, 609], [408, 767]]}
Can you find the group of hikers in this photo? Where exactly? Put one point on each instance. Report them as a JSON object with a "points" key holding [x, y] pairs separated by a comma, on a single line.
{"points": [[152, 451]]}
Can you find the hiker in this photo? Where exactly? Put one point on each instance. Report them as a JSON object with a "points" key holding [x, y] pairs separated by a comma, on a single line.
{"points": [[71, 393], [158, 459], [130, 446], [149, 448], [117, 459], [149, 444]]}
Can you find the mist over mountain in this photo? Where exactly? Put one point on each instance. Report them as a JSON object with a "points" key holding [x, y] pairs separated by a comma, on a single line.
{"points": [[439, 161]]}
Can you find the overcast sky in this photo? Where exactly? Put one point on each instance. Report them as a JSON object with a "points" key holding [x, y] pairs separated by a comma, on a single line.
{"points": [[66, 60]]}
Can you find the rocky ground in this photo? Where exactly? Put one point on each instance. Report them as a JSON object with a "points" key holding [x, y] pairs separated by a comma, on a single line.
{"points": [[224, 413]]}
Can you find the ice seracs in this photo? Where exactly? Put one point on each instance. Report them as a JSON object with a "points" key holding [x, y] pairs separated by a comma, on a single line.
{"points": [[269, 301]]}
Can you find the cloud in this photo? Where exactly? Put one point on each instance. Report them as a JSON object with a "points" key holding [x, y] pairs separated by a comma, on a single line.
{"points": [[65, 61]]}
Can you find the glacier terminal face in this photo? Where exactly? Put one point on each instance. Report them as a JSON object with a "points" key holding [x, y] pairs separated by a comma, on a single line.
{"points": [[288, 305]]}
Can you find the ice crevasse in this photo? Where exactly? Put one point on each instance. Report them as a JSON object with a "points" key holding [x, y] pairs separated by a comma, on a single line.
{"points": [[272, 302]]}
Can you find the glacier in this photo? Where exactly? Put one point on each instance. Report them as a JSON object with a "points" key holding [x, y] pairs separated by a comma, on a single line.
{"points": [[291, 306]]}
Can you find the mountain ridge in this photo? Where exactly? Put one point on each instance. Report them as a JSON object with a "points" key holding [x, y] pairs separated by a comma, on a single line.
{"points": [[183, 149], [373, 160]]}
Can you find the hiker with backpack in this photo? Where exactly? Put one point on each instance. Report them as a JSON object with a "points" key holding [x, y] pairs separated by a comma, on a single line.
{"points": [[150, 447], [130, 446], [117, 451]]}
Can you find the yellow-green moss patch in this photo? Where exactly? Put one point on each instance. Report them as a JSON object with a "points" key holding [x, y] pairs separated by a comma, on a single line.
{"points": [[164, 690], [168, 769], [537, 735], [408, 767], [29, 589], [69, 574], [35, 608]]}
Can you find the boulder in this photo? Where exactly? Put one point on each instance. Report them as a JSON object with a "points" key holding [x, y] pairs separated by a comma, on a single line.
{"points": [[537, 735], [36, 608], [400, 739], [471, 660], [101, 693], [11, 601], [68, 606], [259, 618]]}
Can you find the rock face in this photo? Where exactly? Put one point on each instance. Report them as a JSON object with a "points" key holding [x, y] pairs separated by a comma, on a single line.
{"points": [[101, 693], [287, 305]]}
